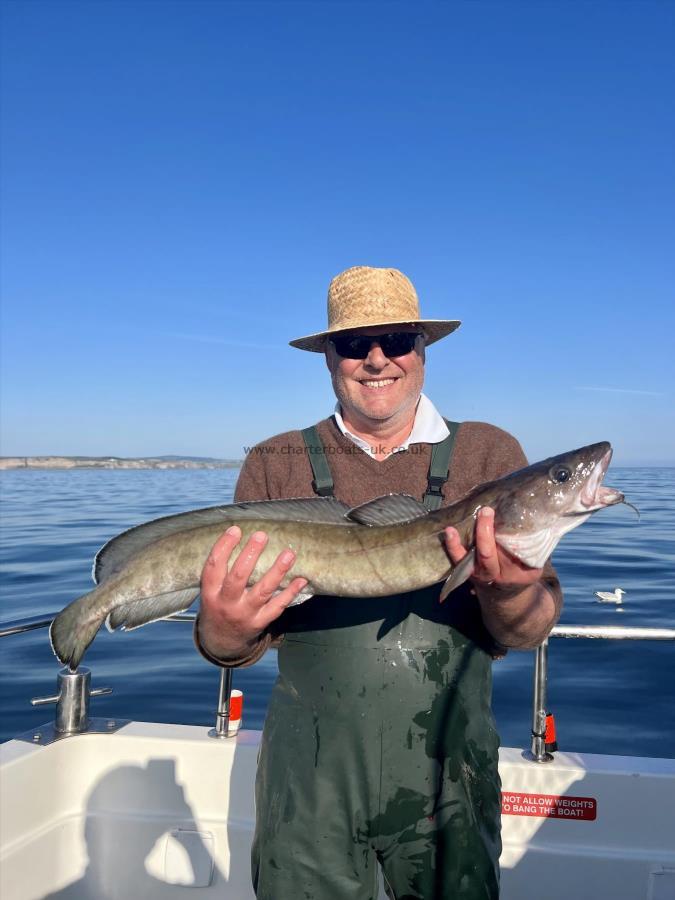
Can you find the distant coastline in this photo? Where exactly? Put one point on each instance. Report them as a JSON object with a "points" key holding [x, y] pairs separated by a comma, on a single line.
{"points": [[116, 462]]}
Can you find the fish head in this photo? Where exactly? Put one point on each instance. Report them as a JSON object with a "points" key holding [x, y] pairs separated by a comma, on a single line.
{"points": [[540, 503]]}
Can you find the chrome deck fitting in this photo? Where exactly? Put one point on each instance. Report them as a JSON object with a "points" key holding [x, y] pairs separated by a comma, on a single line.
{"points": [[72, 710]]}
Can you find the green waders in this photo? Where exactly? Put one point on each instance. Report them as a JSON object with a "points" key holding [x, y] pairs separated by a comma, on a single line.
{"points": [[379, 746]]}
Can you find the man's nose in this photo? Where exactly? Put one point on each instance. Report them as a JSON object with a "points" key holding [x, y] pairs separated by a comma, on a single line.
{"points": [[376, 358]]}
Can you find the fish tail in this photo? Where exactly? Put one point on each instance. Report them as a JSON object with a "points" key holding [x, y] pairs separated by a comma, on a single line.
{"points": [[75, 628]]}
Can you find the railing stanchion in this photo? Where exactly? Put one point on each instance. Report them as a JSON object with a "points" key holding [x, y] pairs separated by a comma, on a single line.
{"points": [[538, 748], [223, 711]]}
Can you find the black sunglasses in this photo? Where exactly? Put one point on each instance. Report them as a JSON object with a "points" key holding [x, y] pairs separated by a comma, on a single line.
{"points": [[357, 346]]}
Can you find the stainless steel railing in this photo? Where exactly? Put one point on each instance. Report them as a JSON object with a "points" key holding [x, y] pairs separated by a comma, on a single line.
{"points": [[18, 626], [602, 632], [613, 632], [538, 752]]}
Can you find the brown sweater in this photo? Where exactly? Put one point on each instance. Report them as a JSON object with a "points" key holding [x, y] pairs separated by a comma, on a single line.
{"points": [[279, 468]]}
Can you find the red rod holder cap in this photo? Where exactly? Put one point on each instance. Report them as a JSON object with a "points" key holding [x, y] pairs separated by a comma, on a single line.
{"points": [[549, 735]]}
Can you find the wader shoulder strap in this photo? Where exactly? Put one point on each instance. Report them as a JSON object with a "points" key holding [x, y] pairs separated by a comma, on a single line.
{"points": [[439, 467], [323, 480]]}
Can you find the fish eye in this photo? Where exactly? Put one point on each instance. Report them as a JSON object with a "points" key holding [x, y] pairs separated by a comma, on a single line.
{"points": [[561, 474]]}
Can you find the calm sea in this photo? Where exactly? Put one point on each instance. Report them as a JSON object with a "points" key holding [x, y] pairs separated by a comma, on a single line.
{"points": [[608, 697]]}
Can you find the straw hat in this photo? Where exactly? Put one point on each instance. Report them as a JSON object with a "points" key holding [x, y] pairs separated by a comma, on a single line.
{"points": [[362, 296]]}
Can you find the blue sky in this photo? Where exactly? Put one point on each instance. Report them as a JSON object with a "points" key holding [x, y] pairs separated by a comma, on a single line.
{"points": [[182, 179]]}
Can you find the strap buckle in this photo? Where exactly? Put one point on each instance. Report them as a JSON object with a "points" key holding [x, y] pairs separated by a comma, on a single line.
{"points": [[323, 490], [436, 483]]}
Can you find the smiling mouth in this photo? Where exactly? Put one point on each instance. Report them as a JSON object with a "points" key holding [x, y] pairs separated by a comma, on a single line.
{"points": [[378, 383]]}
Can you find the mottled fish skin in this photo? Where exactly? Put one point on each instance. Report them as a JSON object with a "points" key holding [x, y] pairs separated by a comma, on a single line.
{"points": [[533, 508]]}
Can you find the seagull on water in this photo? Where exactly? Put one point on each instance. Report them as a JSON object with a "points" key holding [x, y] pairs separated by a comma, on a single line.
{"points": [[610, 596]]}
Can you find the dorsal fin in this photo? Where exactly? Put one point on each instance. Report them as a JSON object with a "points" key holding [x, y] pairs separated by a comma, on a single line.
{"points": [[113, 556], [392, 509], [322, 510]]}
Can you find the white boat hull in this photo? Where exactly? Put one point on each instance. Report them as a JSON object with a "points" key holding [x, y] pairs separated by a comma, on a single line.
{"points": [[155, 810]]}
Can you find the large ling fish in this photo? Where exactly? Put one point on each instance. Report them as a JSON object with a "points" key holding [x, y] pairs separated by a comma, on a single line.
{"points": [[387, 546]]}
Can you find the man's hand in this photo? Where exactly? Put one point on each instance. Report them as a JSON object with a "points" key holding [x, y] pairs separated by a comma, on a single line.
{"points": [[232, 615], [517, 609], [494, 567]]}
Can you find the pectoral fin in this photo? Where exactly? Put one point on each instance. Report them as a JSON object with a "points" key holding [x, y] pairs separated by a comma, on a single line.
{"points": [[305, 594], [459, 574]]}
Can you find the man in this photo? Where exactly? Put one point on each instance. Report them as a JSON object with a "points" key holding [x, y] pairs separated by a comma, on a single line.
{"points": [[379, 743]]}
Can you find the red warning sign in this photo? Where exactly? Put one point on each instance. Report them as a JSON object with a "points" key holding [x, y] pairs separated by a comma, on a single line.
{"points": [[549, 806]]}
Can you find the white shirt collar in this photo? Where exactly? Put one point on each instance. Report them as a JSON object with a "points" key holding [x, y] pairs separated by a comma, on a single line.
{"points": [[428, 428]]}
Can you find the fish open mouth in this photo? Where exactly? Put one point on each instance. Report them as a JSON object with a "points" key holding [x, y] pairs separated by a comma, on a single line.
{"points": [[594, 494]]}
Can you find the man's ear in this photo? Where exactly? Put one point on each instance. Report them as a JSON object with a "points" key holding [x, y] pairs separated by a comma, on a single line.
{"points": [[329, 356]]}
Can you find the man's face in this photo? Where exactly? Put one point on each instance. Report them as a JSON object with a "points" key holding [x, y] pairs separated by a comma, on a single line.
{"points": [[378, 387]]}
